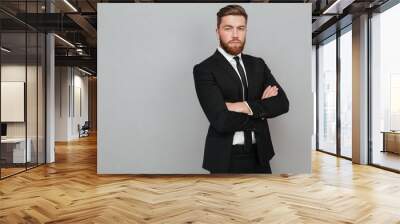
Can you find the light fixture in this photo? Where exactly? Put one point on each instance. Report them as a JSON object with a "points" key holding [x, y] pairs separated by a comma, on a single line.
{"points": [[65, 41], [329, 9], [5, 50], [70, 5], [79, 51], [84, 71]]}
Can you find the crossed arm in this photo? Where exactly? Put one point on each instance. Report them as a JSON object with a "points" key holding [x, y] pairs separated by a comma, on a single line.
{"points": [[231, 117], [273, 102], [243, 107]]}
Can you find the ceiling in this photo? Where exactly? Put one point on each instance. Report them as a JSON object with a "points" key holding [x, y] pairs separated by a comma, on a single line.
{"points": [[76, 22]]}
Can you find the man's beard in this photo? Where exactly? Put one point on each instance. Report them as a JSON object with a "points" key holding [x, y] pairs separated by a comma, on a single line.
{"points": [[232, 50]]}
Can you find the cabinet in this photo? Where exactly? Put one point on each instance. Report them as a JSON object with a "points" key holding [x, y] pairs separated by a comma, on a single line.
{"points": [[391, 141]]}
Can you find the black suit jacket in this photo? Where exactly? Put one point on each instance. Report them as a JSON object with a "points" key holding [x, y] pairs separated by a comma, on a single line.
{"points": [[217, 82]]}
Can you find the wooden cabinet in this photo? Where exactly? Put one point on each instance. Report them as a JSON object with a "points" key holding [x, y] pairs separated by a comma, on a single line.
{"points": [[391, 141]]}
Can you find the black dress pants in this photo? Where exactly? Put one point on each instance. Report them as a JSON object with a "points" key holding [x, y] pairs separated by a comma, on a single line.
{"points": [[246, 161]]}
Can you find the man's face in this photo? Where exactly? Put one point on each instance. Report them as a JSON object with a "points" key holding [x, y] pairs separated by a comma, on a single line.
{"points": [[232, 33]]}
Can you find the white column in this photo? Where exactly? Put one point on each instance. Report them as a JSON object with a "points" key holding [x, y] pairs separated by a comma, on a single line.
{"points": [[50, 82], [50, 92], [360, 90]]}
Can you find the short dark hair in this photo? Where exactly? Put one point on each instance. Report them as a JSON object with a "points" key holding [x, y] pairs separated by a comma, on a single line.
{"points": [[228, 10]]}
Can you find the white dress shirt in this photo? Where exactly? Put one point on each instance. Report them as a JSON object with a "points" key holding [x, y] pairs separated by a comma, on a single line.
{"points": [[238, 138]]}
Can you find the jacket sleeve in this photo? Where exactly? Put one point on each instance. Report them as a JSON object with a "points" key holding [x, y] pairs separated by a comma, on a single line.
{"points": [[213, 104], [272, 106]]}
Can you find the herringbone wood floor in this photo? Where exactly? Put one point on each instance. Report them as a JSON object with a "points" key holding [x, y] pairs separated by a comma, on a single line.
{"points": [[69, 191]]}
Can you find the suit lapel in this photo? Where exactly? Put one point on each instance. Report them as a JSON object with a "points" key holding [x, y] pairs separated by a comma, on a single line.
{"points": [[227, 67], [249, 67]]}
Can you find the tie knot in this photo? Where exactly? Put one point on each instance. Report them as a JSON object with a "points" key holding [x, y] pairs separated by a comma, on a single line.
{"points": [[236, 59]]}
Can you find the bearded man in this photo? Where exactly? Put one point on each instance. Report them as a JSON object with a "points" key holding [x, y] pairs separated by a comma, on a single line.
{"points": [[237, 93]]}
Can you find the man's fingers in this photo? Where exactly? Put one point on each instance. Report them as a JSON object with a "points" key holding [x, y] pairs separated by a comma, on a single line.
{"points": [[270, 91], [275, 92], [274, 89], [266, 91]]}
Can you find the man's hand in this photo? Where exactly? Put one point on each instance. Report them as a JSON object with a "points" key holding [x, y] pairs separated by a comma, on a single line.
{"points": [[239, 107], [270, 91]]}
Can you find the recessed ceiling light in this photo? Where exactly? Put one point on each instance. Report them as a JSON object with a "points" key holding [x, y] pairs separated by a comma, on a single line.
{"points": [[64, 40], [84, 71], [329, 9], [70, 5], [5, 49]]}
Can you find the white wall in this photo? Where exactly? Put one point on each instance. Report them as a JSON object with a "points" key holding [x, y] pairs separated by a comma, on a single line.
{"points": [[79, 117], [67, 117], [61, 103]]}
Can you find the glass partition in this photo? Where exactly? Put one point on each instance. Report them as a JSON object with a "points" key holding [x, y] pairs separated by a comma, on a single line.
{"points": [[22, 77], [14, 154]]}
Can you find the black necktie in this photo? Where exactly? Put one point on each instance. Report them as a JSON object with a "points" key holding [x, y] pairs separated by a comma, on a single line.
{"points": [[242, 76], [247, 134]]}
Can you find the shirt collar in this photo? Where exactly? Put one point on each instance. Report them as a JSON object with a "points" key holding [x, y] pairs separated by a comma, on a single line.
{"points": [[228, 56]]}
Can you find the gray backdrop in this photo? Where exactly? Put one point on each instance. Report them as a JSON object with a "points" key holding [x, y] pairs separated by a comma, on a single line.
{"points": [[149, 117]]}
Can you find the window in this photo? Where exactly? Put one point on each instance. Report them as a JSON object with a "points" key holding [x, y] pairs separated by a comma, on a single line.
{"points": [[327, 96], [346, 93], [385, 88]]}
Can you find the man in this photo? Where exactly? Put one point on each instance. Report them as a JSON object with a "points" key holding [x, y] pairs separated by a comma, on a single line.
{"points": [[237, 93]]}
